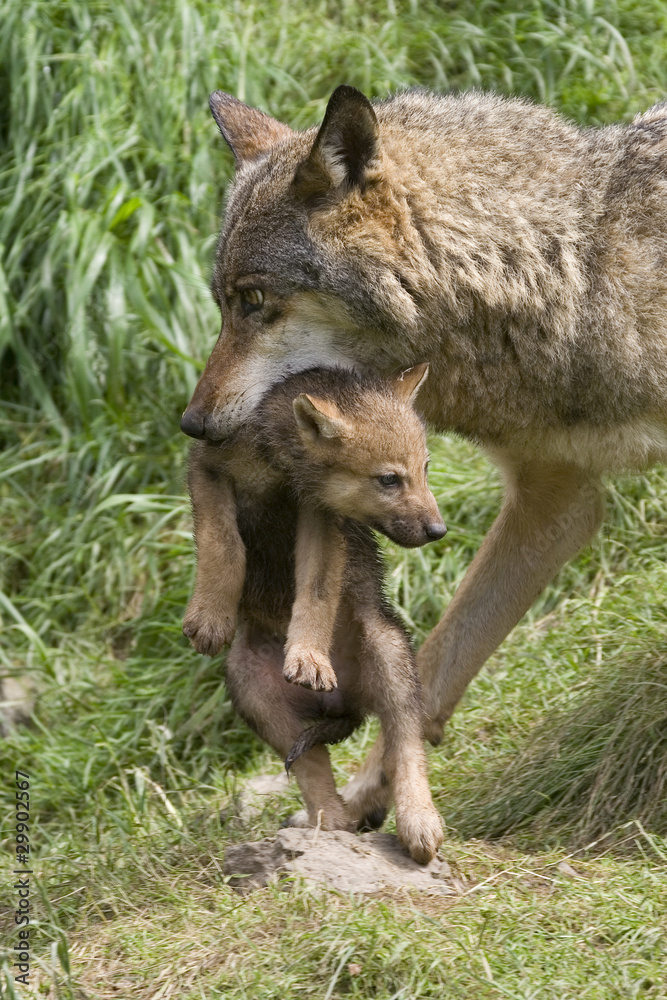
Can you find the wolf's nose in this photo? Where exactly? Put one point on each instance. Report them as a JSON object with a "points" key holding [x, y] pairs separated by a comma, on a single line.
{"points": [[192, 423], [436, 530]]}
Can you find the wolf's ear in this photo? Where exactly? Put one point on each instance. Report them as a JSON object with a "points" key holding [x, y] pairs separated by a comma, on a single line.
{"points": [[248, 132], [346, 146], [318, 418], [409, 382]]}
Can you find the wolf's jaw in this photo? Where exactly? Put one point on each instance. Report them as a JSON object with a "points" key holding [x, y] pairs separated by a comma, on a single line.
{"points": [[263, 372]]}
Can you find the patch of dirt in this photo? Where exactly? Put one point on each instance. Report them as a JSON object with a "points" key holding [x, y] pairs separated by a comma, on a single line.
{"points": [[364, 864]]}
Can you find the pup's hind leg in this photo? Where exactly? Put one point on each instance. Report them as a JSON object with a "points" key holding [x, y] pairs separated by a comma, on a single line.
{"points": [[390, 681], [276, 710]]}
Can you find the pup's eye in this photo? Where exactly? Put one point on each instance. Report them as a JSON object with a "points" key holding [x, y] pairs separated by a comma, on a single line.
{"points": [[389, 479], [252, 299]]}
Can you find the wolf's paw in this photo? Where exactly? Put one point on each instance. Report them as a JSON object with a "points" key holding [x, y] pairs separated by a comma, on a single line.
{"points": [[368, 798], [209, 632], [309, 668], [420, 832], [298, 819], [333, 818], [372, 820]]}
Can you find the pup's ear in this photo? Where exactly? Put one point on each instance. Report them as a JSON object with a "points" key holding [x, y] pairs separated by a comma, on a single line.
{"points": [[346, 146], [409, 382], [318, 418], [248, 132]]}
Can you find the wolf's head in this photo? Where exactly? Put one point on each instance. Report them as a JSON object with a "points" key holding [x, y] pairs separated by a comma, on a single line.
{"points": [[306, 271], [370, 460]]}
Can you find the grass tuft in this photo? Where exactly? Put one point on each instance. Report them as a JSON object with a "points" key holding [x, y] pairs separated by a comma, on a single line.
{"points": [[589, 769]]}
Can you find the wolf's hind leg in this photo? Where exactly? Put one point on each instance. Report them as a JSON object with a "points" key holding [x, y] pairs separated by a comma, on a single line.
{"points": [[367, 795]]}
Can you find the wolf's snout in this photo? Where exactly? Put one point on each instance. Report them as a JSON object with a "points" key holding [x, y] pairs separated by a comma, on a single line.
{"points": [[193, 423], [438, 529]]}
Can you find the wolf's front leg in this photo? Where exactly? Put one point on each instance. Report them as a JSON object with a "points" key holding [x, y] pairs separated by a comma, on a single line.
{"points": [[321, 553], [548, 514], [210, 619]]}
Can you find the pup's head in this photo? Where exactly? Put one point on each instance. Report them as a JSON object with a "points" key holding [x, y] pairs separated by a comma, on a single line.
{"points": [[306, 271], [371, 460]]}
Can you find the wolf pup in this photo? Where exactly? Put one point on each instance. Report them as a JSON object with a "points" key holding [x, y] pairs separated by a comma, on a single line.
{"points": [[282, 523], [523, 257]]}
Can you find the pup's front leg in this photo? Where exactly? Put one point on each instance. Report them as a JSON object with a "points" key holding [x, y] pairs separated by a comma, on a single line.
{"points": [[321, 552], [210, 619]]}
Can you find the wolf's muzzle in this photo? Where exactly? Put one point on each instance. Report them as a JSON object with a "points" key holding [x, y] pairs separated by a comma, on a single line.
{"points": [[193, 423]]}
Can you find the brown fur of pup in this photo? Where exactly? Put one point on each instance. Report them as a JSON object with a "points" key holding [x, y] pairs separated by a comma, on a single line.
{"points": [[282, 524], [525, 258]]}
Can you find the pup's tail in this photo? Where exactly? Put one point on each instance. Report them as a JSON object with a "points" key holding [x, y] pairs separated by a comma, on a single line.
{"points": [[323, 731]]}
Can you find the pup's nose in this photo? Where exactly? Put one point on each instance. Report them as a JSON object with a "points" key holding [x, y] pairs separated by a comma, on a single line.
{"points": [[192, 423], [436, 530]]}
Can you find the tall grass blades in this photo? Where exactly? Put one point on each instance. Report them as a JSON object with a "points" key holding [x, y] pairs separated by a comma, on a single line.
{"points": [[111, 171]]}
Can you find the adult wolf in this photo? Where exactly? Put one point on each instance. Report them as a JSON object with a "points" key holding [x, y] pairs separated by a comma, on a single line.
{"points": [[524, 258]]}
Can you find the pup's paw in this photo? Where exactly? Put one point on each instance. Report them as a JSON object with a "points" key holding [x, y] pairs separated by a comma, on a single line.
{"points": [[309, 668], [209, 631], [420, 833]]}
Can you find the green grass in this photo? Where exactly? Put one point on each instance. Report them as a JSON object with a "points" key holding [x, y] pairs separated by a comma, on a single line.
{"points": [[111, 183]]}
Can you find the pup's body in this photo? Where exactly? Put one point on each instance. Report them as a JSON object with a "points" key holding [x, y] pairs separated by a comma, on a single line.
{"points": [[276, 543], [523, 257]]}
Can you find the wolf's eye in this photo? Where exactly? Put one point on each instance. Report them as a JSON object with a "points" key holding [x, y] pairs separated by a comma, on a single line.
{"points": [[389, 479], [252, 299]]}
